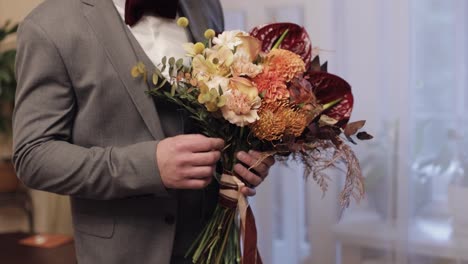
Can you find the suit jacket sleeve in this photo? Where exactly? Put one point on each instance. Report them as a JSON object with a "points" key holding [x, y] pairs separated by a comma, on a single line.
{"points": [[44, 156]]}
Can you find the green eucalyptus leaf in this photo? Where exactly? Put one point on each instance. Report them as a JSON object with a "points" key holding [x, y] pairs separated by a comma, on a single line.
{"points": [[179, 63], [171, 61], [155, 78], [161, 84], [158, 71], [171, 70], [173, 89]]}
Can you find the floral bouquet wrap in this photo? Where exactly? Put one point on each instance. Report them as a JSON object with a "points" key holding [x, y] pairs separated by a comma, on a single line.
{"points": [[260, 90]]}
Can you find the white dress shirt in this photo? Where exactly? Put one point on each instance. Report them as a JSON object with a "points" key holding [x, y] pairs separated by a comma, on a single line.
{"points": [[157, 36]]}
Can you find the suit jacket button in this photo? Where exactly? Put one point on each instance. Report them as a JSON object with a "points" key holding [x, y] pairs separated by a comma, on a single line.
{"points": [[169, 219]]}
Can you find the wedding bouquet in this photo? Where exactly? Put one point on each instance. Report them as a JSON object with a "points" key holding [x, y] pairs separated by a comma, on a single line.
{"points": [[260, 90]]}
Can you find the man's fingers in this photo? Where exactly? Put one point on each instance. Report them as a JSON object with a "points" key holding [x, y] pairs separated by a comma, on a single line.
{"points": [[188, 161], [200, 172], [248, 191], [200, 143], [250, 160], [204, 158], [247, 175], [269, 161], [217, 143]]}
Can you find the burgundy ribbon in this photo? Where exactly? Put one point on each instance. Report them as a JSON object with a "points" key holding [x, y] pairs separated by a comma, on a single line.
{"points": [[251, 254]]}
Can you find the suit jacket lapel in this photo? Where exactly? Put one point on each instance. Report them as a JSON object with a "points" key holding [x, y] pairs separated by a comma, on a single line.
{"points": [[111, 31], [202, 16], [140, 54], [171, 122]]}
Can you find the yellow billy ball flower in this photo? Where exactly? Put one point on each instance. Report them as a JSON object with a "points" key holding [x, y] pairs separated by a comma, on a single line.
{"points": [[198, 48], [182, 22], [210, 33]]}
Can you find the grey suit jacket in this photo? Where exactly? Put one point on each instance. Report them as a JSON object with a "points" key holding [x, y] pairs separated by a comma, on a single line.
{"points": [[84, 127]]}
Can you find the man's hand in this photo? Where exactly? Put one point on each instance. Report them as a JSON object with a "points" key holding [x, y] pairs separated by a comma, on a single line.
{"points": [[257, 174], [188, 161]]}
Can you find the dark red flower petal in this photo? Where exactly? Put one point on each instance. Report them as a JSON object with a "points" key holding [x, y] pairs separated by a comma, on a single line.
{"points": [[297, 40], [328, 88]]}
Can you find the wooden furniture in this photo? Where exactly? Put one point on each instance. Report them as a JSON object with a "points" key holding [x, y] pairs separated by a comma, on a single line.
{"points": [[14, 194], [14, 253], [8, 180]]}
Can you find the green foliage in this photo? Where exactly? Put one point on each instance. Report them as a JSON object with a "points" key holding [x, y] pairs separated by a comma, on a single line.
{"points": [[7, 76]]}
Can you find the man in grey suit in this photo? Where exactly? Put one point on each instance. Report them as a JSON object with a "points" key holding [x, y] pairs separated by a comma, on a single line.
{"points": [[84, 127]]}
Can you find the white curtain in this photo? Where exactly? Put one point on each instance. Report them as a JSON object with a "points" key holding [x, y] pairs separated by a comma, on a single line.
{"points": [[407, 63]]}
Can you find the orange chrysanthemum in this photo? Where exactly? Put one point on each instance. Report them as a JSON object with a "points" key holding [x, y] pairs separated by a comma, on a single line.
{"points": [[270, 126], [296, 122], [285, 63], [272, 86], [277, 119]]}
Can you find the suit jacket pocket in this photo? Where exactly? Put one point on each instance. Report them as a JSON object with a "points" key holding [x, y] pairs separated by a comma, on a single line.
{"points": [[94, 225]]}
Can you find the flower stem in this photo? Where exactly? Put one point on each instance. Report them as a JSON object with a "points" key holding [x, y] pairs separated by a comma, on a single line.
{"points": [[200, 241], [226, 236], [237, 146]]}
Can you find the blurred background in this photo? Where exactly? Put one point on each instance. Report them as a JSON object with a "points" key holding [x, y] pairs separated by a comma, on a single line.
{"points": [[407, 63]]}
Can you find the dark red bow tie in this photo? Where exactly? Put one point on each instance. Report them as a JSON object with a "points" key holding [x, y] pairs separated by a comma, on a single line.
{"points": [[134, 9]]}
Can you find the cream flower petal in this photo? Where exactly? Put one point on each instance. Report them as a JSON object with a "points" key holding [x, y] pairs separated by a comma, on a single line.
{"points": [[224, 56], [242, 66], [189, 48], [202, 68], [249, 47], [229, 38], [218, 81], [245, 86]]}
